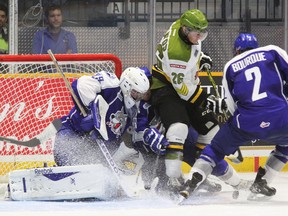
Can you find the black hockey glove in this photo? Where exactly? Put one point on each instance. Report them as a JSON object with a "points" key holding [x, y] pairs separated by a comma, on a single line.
{"points": [[205, 62], [217, 105]]}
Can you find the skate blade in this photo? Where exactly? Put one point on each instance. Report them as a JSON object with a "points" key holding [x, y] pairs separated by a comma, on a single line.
{"points": [[185, 194], [212, 189], [258, 197]]}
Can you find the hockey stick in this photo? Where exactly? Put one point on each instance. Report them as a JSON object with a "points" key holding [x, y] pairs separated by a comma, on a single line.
{"points": [[49, 131], [239, 157], [117, 172], [100, 142], [101, 127], [67, 83], [216, 89]]}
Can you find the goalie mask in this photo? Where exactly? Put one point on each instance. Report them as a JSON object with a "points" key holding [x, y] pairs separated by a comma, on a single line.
{"points": [[134, 84]]}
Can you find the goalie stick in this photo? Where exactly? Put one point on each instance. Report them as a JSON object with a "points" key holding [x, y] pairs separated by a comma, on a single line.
{"points": [[239, 157], [49, 131], [117, 172], [66, 82], [100, 142], [99, 99]]}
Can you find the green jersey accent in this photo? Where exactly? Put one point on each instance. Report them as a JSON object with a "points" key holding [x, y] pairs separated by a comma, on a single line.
{"points": [[177, 48], [177, 64], [157, 83]]}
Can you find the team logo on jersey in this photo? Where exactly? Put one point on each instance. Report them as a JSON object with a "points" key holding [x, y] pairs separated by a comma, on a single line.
{"points": [[264, 124], [178, 66], [117, 122]]}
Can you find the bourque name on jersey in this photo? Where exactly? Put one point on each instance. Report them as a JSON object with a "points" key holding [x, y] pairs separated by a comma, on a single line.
{"points": [[251, 59]]}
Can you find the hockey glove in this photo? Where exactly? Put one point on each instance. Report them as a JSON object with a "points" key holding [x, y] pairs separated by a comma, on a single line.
{"points": [[217, 105], [155, 140], [205, 62]]}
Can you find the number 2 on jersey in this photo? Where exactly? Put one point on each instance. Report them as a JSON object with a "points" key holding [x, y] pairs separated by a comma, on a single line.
{"points": [[256, 87]]}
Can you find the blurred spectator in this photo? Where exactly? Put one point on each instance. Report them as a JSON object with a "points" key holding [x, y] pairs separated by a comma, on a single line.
{"points": [[3, 30], [54, 37]]}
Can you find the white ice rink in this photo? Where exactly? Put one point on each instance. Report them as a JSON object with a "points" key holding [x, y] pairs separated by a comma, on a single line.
{"points": [[221, 204]]}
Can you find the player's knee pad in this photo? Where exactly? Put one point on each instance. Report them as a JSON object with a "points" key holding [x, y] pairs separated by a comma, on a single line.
{"points": [[206, 139], [177, 133]]}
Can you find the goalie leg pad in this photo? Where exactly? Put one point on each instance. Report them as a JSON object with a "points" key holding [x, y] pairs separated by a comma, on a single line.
{"points": [[128, 159], [62, 183]]}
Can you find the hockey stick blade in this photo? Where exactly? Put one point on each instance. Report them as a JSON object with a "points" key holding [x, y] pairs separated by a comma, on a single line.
{"points": [[49, 131]]}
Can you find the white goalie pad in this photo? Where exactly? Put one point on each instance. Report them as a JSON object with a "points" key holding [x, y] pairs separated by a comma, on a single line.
{"points": [[62, 183]]}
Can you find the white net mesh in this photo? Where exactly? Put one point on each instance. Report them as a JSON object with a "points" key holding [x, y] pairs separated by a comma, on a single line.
{"points": [[33, 94]]}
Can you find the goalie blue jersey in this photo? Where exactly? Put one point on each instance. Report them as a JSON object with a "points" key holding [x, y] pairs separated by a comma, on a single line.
{"points": [[253, 85], [86, 89]]}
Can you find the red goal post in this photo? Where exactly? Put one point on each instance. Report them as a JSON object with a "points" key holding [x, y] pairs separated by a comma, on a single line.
{"points": [[33, 94]]}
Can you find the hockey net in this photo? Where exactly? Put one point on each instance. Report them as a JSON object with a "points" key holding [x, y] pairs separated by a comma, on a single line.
{"points": [[33, 94]]}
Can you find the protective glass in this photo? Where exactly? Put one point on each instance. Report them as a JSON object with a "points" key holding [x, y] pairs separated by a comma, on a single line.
{"points": [[197, 32]]}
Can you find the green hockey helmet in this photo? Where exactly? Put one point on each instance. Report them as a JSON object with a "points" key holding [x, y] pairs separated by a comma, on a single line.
{"points": [[194, 19]]}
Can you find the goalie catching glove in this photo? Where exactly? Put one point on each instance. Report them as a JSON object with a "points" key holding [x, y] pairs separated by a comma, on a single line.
{"points": [[217, 105], [155, 140], [205, 62]]}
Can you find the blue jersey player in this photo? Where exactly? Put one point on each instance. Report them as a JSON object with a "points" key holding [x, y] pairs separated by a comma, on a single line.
{"points": [[253, 81], [75, 141]]}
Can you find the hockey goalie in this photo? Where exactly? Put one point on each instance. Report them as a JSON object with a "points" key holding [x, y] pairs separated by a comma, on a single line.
{"points": [[90, 134]]}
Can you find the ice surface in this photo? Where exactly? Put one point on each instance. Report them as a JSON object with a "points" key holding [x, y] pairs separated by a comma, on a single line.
{"points": [[149, 205]]}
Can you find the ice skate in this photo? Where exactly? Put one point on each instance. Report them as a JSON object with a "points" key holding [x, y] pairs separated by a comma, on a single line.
{"points": [[260, 189], [169, 187], [174, 185], [191, 185]]}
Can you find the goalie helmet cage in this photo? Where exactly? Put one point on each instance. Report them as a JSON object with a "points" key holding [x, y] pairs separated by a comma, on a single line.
{"points": [[33, 94]]}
